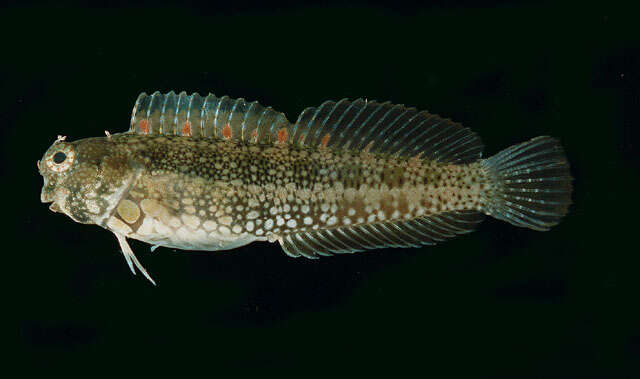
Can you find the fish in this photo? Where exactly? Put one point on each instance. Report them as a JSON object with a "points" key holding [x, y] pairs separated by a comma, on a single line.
{"points": [[214, 173]]}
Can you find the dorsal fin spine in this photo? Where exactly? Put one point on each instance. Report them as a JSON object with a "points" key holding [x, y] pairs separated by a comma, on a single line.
{"points": [[151, 104], [442, 140], [334, 125], [233, 113], [401, 141], [361, 141], [311, 122], [384, 132], [395, 138], [215, 118], [182, 99], [339, 121], [244, 119], [464, 140], [191, 98], [357, 128], [259, 122], [416, 146], [315, 116], [164, 109]]}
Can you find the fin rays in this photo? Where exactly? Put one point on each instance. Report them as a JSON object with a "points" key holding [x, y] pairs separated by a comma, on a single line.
{"points": [[350, 239], [210, 116], [384, 128]]}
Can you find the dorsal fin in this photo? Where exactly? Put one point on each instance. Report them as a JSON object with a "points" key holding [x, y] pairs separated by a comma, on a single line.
{"points": [[211, 116], [383, 128], [387, 129], [349, 239]]}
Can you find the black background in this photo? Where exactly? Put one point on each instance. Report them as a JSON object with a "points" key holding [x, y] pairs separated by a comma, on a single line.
{"points": [[502, 301]]}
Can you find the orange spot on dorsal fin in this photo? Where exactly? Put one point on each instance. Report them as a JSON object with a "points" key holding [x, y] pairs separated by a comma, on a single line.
{"points": [[325, 140], [254, 136], [282, 135], [186, 128], [226, 131], [415, 159], [144, 126], [368, 147]]}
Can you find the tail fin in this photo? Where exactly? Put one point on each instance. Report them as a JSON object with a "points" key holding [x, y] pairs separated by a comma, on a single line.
{"points": [[530, 184]]}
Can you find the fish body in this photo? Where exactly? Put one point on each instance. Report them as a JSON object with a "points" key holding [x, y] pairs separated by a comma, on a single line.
{"points": [[214, 173]]}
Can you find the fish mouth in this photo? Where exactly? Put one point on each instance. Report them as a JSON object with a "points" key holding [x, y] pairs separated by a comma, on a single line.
{"points": [[46, 197], [55, 208]]}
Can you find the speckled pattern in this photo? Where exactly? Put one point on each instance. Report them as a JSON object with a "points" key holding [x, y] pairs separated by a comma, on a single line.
{"points": [[217, 173], [207, 194]]}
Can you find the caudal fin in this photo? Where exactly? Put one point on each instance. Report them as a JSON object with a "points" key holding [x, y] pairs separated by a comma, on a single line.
{"points": [[530, 184]]}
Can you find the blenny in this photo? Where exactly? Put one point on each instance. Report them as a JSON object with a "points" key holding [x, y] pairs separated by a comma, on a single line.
{"points": [[215, 173]]}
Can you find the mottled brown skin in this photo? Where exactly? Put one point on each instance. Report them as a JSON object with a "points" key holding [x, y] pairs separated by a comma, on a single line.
{"points": [[211, 194], [100, 172]]}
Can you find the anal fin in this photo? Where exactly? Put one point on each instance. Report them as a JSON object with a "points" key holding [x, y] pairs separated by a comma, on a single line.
{"points": [[350, 239]]}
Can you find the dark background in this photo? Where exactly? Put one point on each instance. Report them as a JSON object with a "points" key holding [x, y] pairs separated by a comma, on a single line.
{"points": [[502, 301]]}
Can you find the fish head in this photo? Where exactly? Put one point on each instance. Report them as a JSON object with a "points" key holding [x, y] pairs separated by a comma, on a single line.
{"points": [[85, 179]]}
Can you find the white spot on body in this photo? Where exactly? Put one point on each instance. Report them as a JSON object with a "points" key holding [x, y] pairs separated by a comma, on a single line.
{"points": [[161, 228], [210, 225], [225, 220], [191, 221], [175, 222], [146, 227]]}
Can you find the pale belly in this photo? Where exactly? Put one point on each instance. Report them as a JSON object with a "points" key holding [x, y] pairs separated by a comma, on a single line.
{"points": [[181, 233]]}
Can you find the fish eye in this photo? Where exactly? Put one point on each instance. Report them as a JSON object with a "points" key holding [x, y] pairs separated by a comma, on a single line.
{"points": [[61, 158]]}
